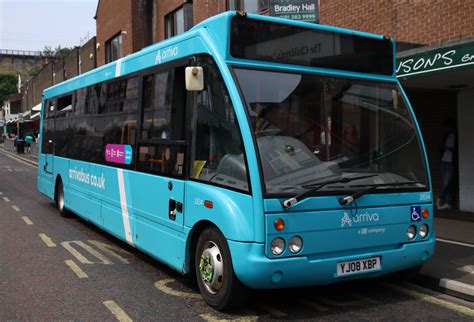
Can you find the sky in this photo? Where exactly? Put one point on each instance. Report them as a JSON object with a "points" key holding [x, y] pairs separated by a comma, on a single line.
{"points": [[34, 24]]}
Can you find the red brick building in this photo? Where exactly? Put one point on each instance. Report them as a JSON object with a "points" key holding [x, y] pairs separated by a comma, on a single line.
{"points": [[424, 22], [126, 26]]}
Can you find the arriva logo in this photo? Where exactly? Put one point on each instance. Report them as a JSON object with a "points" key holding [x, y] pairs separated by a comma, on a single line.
{"points": [[358, 218], [346, 220], [163, 55]]}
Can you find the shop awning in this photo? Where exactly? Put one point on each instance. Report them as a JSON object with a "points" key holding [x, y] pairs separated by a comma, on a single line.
{"points": [[451, 56], [36, 108]]}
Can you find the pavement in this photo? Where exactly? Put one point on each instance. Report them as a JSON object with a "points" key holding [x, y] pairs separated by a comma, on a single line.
{"points": [[26, 157], [450, 270]]}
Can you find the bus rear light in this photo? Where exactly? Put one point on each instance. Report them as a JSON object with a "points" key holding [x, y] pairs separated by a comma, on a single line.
{"points": [[425, 213], [208, 204], [279, 224]]}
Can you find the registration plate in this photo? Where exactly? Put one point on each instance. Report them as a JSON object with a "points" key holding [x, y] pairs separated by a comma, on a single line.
{"points": [[358, 266]]}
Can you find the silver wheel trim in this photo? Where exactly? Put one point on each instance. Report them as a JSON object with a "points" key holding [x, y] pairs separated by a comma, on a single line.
{"points": [[61, 199], [216, 263]]}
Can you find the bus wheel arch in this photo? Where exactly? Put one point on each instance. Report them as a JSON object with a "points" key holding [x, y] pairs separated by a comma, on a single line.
{"points": [[211, 265], [192, 242]]}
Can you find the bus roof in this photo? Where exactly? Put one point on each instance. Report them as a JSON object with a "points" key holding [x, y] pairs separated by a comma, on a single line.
{"points": [[190, 43]]}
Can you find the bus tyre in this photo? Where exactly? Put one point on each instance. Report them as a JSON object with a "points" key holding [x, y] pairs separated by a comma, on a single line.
{"points": [[215, 275], [60, 200]]}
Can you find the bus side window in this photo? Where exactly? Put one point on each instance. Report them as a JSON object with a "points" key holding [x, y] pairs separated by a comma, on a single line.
{"points": [[162, 146], [218, 148], [48, 127], [116, 118], [62, 126], [81, 131]]}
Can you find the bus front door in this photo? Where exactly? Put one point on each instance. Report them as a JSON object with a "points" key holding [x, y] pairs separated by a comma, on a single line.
{"points": [[159, 215]]}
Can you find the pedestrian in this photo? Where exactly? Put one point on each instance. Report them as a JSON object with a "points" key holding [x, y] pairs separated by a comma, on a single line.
{"points": [[28, 140], [445, 198]]}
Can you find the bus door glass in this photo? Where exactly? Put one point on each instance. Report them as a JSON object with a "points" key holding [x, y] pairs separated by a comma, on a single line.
{"points": [[159, 190], [47, 144]]}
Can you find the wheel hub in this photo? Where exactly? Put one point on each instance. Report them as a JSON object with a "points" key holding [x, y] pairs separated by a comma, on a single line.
{"points": [[211, 268]]}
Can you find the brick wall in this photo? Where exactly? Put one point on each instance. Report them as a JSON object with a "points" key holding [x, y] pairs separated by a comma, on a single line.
{"points": [[141, 23], [43, 80], [87, 56], [136, 17], [413, 21], [204, 9], [114, 16], [71, 64], [29, 96], [24, 96], [58, 71]]}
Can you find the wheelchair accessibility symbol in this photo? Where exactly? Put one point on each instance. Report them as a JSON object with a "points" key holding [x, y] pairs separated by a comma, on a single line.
{"points": [[415, 213]]}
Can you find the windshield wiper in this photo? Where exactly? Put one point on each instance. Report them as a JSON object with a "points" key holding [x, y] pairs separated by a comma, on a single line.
{"points": [[293, 200], [356, 195]]}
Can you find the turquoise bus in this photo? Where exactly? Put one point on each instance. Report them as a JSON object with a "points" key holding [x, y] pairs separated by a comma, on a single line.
{"points": [[249, 152]]}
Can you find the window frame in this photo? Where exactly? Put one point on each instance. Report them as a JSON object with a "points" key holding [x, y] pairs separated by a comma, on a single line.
{"points": [[170, 20], [108, 47], [239, 5]]}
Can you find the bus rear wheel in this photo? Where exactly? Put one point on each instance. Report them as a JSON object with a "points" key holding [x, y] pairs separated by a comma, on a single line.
{"points": [[215, 275], [60, 200]]}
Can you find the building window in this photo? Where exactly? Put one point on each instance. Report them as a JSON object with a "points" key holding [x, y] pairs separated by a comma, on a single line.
{"points": [[113, 48], [246, 5], [179, 21]]}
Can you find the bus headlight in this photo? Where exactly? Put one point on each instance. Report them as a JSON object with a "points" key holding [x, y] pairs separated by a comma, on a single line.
{"points": [[295, 244], [411, 232], [277, 246], [423, 230]]}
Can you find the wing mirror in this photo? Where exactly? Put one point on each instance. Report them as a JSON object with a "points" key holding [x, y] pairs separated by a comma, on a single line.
{"points": [[194, 78]]}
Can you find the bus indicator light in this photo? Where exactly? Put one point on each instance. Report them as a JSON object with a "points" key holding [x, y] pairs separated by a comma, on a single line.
{"points": [[208, 204], [425, 213], [279, 224]]}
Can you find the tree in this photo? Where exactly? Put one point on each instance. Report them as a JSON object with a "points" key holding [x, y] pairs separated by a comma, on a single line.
{"points": [[35, 70], [58, 52], [8, 85]]}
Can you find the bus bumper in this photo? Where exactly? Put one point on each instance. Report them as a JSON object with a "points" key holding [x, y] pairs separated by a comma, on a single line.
{"points": [[255, 270]]}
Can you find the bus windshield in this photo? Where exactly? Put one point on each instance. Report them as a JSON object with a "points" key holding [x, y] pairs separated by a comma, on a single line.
{"points": [[312, 128]]}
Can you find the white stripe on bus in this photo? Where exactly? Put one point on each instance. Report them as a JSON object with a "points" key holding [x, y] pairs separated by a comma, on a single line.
{"points": [[123, 204], [118, 67]]}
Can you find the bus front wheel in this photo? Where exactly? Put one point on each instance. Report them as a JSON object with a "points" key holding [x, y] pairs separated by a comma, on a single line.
{"points": [[217, 282]]}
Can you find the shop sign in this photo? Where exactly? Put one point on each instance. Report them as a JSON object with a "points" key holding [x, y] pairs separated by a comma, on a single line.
{"points": [[436, 60], [302, 10]]}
